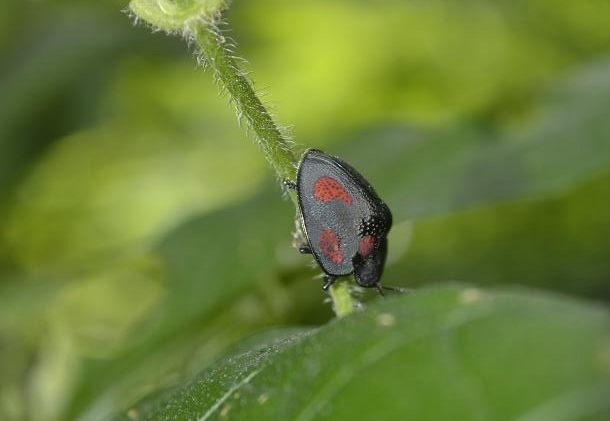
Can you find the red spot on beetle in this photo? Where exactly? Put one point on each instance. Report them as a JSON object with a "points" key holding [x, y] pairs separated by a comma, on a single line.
{"points": [[329, 243], [326, 189], [366, 245]]}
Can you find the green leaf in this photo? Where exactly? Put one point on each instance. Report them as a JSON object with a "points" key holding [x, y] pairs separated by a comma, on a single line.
{"points": [[209, 262], [557, 243], [71, 59], [422, 173], [446, 353]]}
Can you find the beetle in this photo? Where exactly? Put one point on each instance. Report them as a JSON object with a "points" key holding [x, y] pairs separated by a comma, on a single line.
{"points": [[342, 219]]}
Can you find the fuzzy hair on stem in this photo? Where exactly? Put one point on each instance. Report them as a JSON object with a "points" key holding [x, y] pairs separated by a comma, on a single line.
{"points": [[199, 22]]}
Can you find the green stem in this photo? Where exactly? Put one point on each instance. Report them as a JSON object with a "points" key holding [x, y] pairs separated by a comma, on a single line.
{"points": [[268, 135], [343, 302], [197, 20]]}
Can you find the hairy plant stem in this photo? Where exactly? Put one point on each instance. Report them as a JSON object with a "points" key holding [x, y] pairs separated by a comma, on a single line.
{"points": [[197, 20], [343, 302], [268, 135]]}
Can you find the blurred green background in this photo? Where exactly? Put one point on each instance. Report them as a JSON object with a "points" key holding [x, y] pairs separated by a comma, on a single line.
{"points": [[142, 232]]}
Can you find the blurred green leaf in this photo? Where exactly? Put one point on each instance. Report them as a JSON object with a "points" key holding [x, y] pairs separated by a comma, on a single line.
{"points": [[423, 173], [336, 67], [107, 195], [434, 354], [209, 264], [244, 243], [560, 243], [49, 85]]}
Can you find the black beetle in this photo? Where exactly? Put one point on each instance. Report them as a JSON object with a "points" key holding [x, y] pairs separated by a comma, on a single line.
{"points": [[344, 221]]}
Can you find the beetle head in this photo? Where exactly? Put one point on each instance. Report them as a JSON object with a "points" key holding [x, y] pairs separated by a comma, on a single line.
{"points": [[368, 269]]}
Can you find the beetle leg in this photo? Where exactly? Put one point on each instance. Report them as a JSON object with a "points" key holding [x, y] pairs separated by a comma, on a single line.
{"points": [[299, 241], [290, 184], [380, 290], [328, 281]]}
